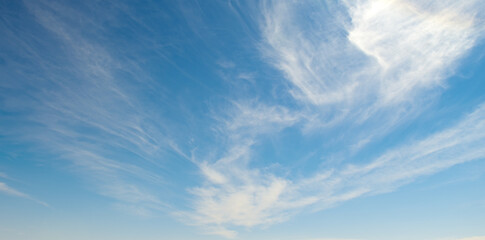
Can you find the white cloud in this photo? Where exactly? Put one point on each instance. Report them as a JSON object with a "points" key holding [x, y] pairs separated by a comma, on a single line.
{"points": [[233, 193], [366, 55], [414, 44], [370, 66]]}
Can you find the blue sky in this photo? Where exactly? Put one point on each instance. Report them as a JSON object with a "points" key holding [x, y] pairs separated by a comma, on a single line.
{"points": [[226, 119]]}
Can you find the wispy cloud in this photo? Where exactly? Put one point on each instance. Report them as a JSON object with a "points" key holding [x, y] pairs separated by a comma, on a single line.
{"points": [[379, 52], [234, 193], [83, 106], [253, 118], [369, 66], [378, 63], [415, 45], [238, 195], [458, 144], [368, 62], [5, 189]]}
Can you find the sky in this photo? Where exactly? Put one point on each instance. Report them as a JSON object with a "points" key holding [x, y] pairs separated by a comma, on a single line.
{"points": [[231, 119]]}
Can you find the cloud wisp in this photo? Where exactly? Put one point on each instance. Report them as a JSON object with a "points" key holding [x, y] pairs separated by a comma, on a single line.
{"points": [[237, 195]]}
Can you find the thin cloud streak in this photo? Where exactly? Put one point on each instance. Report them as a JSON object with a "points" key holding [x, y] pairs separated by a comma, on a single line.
{"points": [[82, 111], [5, 189], [458, 144]]}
